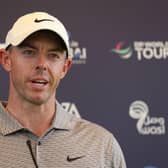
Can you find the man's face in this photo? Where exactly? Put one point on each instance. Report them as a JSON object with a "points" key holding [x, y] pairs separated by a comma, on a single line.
{"points": [[36, 67]]}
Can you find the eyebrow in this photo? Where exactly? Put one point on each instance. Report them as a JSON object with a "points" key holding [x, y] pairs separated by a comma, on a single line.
{"points": [[24, 44]]}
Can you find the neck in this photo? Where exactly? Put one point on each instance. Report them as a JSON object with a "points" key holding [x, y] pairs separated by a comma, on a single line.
{"points": [[37, 118]]}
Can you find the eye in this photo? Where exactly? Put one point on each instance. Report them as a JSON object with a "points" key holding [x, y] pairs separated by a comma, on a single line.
{"points": [[29, 52], [54, 55]]}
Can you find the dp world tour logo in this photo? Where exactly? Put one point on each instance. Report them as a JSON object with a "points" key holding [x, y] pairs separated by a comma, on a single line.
{"points": [[146, 125], [123, 51], [142, 50]]}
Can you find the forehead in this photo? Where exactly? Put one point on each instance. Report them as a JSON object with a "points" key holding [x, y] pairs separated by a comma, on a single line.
{"points": [[44, 35]]}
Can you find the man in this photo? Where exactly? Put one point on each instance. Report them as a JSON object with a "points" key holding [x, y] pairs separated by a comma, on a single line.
{"points": [[35, 129]]}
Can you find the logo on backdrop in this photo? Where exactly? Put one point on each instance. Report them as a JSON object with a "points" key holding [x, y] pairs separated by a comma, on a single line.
{"points": [[146, 125], [142, 50], [78, 53], [123, 51], [71, 108]]}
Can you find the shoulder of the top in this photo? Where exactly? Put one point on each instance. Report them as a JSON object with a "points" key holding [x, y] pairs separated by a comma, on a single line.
{"points": [[92, 127]]}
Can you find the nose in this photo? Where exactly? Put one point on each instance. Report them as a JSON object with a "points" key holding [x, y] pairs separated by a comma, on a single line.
{"points": [[41, 63]]}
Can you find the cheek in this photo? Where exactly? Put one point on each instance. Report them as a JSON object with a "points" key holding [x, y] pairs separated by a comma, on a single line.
{"points": [[18, 69], [62, 72], [17, 74], [57, 74], [58, 69]]}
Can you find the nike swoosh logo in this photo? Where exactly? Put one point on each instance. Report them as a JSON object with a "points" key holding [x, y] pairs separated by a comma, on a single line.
{"points": [[42, 20], [69, 159]]}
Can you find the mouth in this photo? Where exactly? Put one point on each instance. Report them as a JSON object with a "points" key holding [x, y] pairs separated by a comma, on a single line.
{"points": [[39, 82]]}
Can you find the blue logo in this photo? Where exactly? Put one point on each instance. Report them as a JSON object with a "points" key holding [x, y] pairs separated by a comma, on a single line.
{"points": [[77, 53]]}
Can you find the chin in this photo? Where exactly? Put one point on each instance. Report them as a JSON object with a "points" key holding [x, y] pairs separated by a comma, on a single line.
{"points": [[38, 100]]}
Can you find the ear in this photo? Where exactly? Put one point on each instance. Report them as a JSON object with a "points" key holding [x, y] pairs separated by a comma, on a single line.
{"points": [[66, 67], [5, 59]]}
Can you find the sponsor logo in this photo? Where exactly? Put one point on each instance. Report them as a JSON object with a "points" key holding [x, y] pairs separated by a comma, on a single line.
{"points": [[122, 51], [146, 125], [71, 108], [69, 159], [142, 50], [78, 53], [42, 20]]}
